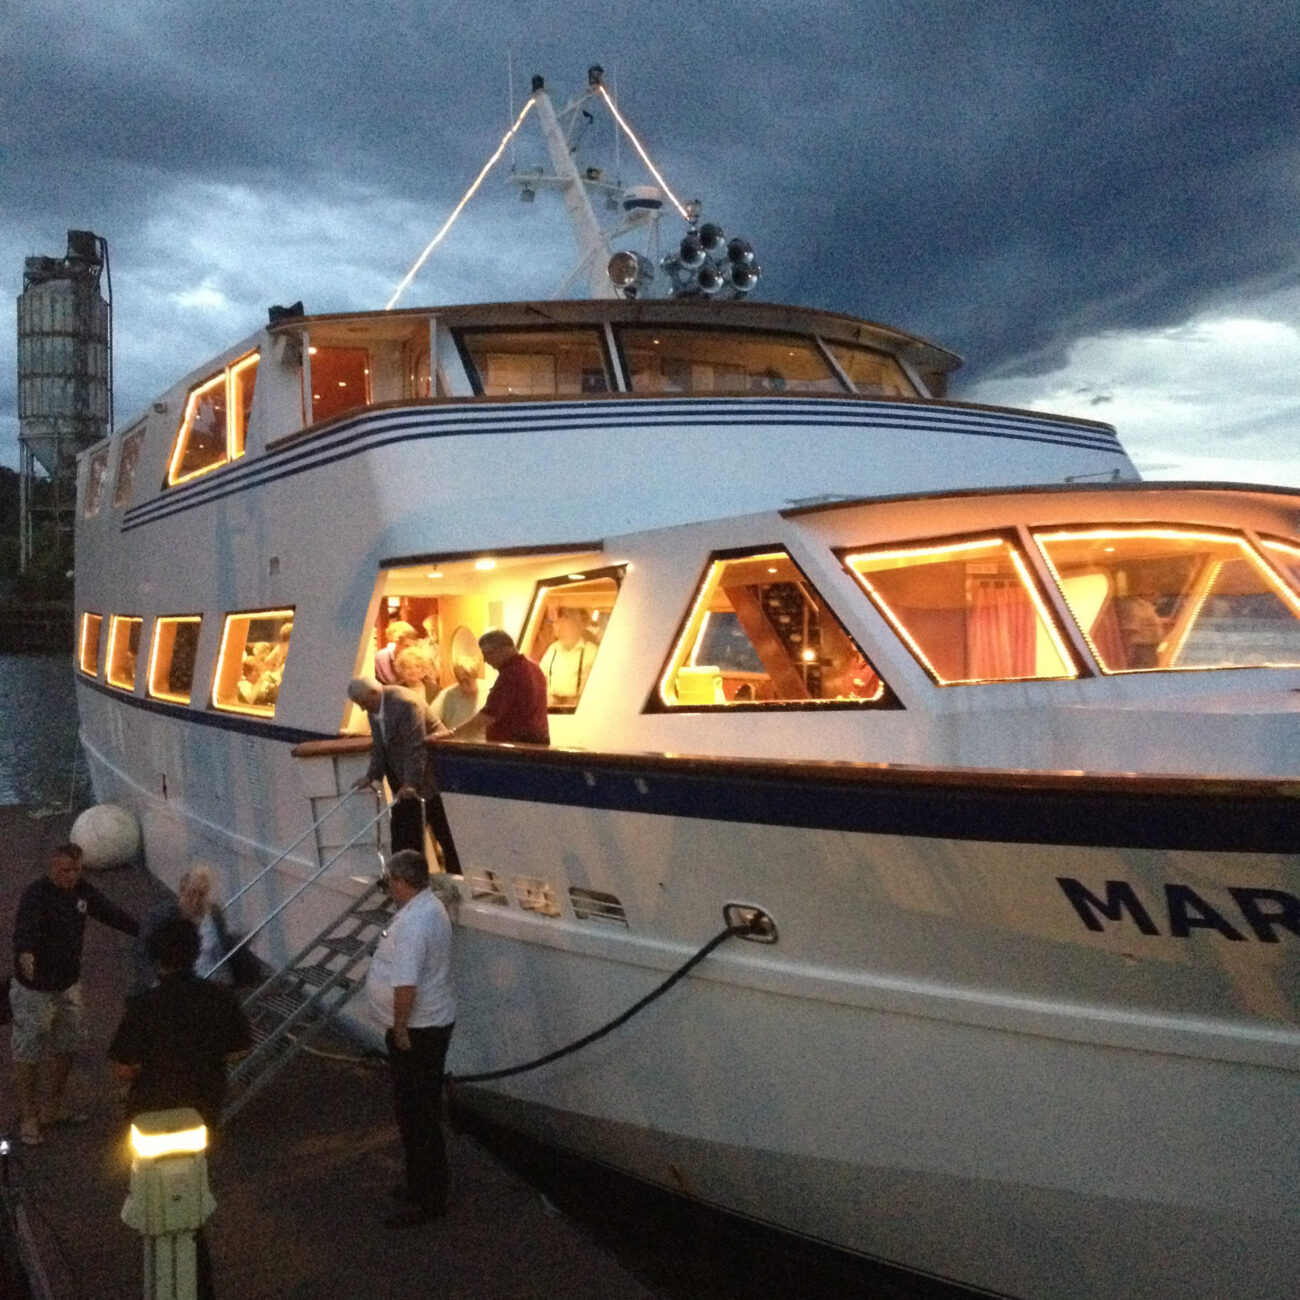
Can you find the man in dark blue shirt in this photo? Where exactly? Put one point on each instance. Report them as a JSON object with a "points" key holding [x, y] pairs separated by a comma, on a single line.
{"points": [[45, 994]]}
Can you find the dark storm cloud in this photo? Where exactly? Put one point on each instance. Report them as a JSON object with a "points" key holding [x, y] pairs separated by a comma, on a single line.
{"points": [[1005, 178]]}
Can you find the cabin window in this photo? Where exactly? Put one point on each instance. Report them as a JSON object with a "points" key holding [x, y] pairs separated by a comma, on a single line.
{"points": [[1173, 598], [873, 374], [250, 665], [564, 629], [724, 361], [1287, 557], [759, 634], [88, 644], [96, 474], [969, 610], [215, 424], [127, 459], [123, 651], [172, 657], [535, 363], [340, 381]]}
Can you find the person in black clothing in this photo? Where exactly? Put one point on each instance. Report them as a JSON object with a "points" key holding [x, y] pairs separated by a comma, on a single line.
{"points": [[177, 1038], [45, 993], [175, 1042]]}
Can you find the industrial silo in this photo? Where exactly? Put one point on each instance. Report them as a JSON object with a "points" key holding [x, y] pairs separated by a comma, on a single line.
{"points": [[64, 378]]}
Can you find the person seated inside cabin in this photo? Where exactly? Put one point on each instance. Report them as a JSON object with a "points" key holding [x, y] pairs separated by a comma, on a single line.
{"points": [[279, 651], [1140, 626], [566, 662], [458, 706]]}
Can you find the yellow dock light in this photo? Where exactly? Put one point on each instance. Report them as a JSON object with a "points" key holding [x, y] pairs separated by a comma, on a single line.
{"points": [[169, 1198]]}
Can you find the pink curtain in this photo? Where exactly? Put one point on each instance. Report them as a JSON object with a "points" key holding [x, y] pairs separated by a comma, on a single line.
{"points": [[1000, 630]]}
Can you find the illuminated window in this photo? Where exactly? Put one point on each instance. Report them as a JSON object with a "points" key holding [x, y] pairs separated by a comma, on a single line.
{"points": [[759, 634], [340, 381], [128, 458], [88, 644], [535, 363], [171, 659], [872, 373], [968, 610], [215, 424], [123, 651], [254, 648], [564, 630], [724, 361], [1174, 598], [1286, 556], [96, 473]]}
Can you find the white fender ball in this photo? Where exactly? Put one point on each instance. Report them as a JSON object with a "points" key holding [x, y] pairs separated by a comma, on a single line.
{"points": [[108, 836]]}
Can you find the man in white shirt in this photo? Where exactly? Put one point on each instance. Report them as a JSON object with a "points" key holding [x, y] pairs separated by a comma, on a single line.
{"points": [[566, 662], [410, 993]]}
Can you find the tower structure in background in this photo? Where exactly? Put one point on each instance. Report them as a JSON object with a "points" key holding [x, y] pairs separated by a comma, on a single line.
{"points": [[65, 384]]}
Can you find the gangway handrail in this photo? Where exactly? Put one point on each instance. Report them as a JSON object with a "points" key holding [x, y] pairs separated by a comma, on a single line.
{"points": [[307, 884], [280, 857]]}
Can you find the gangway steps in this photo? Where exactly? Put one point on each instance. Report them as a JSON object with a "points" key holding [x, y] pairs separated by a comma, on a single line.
{"points": [[306, 994]]}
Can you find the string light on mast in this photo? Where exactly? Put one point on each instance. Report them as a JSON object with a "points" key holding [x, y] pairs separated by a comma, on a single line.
{"points": [[469, 194]]}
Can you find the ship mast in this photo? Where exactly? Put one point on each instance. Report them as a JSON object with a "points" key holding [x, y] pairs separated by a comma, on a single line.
{"points": [[593, 243]]}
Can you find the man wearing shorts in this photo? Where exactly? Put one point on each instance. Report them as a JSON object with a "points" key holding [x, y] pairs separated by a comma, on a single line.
{"points": [[45, 993]]}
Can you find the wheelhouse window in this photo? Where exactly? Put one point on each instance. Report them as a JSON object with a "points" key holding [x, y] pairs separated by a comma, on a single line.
{"points": [[127, 460], [96, 474], [874, 374], [535, 363], [215, 424], [564, 630], [340, 381], [968, 609], [172, 657], [123, 651], [723, 361], [760, 634], [1173, 598], [88, 644], [1286, 556], [250, 665]]}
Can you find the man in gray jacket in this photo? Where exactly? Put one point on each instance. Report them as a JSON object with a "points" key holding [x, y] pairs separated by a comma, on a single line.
{"points": [[397, 753]]}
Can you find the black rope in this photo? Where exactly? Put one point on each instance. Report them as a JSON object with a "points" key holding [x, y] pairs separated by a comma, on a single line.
{"points": [[680, 973]]}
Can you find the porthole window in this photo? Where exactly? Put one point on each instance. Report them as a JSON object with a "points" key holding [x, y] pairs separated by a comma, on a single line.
{"points": [[759, 634], [564, 630], [123, 651], [968, 609], [251, 662], [88, 644], [172, 658], [214, 427]]}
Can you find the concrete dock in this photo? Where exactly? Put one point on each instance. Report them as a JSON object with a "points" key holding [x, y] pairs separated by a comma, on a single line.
{"points": [[300, 1177]]}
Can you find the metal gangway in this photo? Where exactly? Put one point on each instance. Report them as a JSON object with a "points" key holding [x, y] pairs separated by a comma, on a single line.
{"points": [[295, 1003]]}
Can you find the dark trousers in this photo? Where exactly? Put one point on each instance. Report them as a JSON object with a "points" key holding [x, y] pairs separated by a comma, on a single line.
{"points": [[406, 829], [417, 1101], [406, 826]]}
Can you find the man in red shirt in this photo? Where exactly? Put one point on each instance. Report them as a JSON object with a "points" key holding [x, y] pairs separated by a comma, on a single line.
{"points": [[516, 705]]}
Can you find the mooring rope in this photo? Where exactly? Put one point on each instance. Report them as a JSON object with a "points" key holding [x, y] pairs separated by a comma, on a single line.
{"points": [[680, 973]]}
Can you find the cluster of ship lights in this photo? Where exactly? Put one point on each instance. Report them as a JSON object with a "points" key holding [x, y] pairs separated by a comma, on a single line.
{"points": [[705, 263]]}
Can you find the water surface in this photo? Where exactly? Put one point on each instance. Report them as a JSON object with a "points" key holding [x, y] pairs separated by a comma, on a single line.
{"points": [[38, 730]]}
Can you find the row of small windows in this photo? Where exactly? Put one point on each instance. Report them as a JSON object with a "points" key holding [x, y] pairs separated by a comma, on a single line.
{"points": [[515, 363], [250, 662], [758, 633]]}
